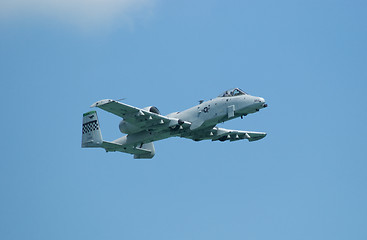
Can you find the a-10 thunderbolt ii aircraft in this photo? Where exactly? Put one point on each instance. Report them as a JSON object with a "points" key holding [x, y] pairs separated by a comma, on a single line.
{"points": [[146, 125]]}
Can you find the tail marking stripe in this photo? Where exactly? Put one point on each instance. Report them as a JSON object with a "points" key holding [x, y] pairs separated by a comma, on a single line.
{"points": [[90, 126]]}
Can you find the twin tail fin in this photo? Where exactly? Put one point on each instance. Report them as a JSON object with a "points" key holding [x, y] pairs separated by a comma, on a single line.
{"points": [[91, 132]]}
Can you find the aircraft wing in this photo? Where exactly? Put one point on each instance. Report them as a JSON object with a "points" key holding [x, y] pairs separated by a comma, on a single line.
{"points": [[126, 111], [137, 116], [222, 134]]}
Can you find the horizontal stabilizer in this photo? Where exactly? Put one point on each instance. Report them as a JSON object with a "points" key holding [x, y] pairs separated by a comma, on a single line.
{"points": [[115, 147]]}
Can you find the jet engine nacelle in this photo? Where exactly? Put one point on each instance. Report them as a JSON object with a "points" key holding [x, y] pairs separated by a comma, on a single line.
{"points": [[152, 109], [128, 128]]}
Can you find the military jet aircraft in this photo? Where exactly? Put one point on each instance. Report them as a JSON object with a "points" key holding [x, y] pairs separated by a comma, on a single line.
{"points": [[143, 126]]}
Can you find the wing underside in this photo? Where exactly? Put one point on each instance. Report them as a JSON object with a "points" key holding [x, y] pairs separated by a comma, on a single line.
{"points": [[222, 134]]}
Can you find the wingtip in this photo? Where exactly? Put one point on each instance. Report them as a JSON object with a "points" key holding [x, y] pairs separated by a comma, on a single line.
{"points": [[101, 102], [255, 138]]}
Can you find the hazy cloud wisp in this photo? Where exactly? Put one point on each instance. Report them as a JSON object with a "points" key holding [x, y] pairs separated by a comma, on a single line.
{"points": [[84, 13]]}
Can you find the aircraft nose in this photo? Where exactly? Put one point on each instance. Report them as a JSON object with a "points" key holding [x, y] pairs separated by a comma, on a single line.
{"points": [[262, 100], [259, 103]]}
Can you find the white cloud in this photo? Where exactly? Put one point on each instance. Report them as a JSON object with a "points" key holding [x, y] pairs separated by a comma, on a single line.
{"points": [[83, 13]]}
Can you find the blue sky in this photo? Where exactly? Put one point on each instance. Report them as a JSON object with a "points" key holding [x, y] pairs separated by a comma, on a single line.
{"points": [[305, 180]]}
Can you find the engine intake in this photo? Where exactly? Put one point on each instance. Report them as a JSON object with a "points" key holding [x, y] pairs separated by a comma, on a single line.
{"points": [[152, 109]]}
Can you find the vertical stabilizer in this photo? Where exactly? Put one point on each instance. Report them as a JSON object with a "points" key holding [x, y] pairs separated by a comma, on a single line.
{"points": [[91, 132]]}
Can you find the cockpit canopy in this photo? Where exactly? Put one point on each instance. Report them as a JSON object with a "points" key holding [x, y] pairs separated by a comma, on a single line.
{"points": [[232, 93]]}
